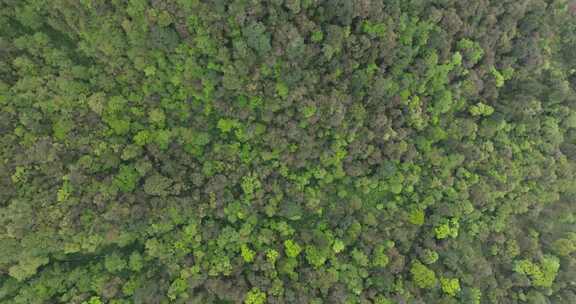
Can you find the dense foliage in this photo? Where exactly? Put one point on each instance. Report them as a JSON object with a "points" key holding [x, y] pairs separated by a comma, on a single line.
{"points": [[287, 151]]}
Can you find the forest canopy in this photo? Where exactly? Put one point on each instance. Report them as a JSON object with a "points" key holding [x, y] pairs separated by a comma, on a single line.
{"points": [[288, 151]]}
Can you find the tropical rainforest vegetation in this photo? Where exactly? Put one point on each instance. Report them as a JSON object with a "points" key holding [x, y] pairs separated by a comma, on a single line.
{"points": [[288, 151]]}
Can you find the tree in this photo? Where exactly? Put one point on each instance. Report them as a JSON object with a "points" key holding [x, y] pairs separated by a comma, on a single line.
{"points": [[255, 296], [423, 276], [450, 286], [157, 185]]}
